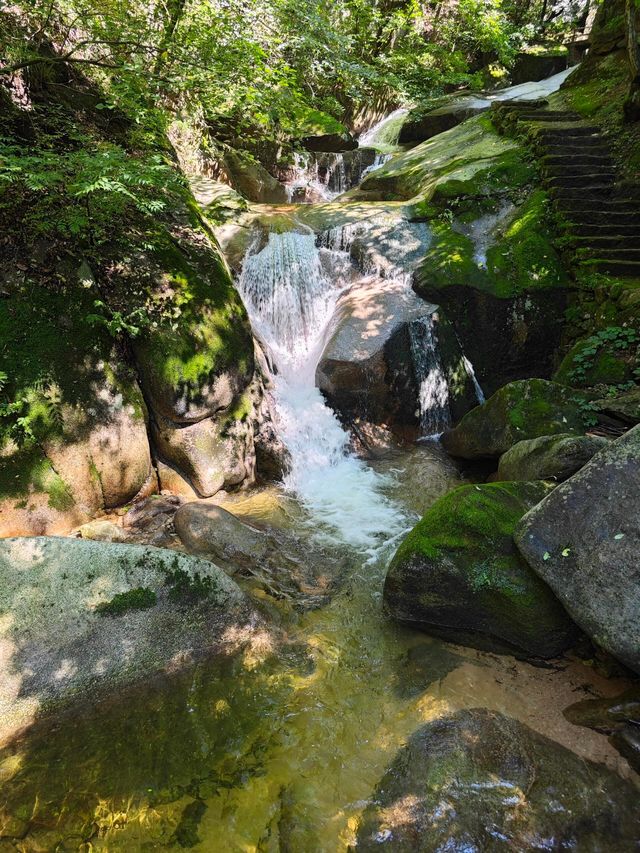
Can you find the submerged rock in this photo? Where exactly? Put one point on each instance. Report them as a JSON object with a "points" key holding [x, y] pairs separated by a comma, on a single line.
{"points": [[81, 618], [584, 540], [479, 780], [549, 457], [208, 529], [458, 575], [618, 717], [528, 408]]}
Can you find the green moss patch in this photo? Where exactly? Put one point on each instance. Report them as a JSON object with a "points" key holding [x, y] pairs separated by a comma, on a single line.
{"points": [[140, 598]]}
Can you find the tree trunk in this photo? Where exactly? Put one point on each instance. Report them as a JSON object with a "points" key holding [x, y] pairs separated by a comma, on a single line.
{"points": [[632, 103]]}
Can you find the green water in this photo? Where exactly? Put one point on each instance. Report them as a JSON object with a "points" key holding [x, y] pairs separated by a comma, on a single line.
{"points": [[276, 749]]}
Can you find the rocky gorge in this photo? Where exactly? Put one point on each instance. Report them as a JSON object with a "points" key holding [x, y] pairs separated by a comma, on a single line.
{"points": [[319, 486]]}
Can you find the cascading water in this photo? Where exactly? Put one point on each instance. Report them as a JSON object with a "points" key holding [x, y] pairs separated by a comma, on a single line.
{"points": [[290, 288], [433, 389], [384, 134]]}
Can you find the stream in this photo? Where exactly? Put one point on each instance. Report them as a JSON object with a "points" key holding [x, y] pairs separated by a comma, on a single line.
{"points": [[279, 748]]}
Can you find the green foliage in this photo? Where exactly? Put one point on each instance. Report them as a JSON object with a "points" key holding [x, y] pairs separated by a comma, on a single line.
{"points": [[117, 323], [81, 192], [140, 598], [613, 340]]}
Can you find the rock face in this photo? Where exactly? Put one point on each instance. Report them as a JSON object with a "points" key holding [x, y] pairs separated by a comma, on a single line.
{"points": [[420, 128], [458, 575], [528, 408], [584, 539], [498, 276], [550, 457], [81, 618], [618, 717], [368, 370], [478, 780], [249, 178], [537, 65]]}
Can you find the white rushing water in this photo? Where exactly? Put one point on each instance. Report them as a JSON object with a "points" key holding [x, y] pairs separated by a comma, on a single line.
{"points": [[433, 388], [290, 288]]}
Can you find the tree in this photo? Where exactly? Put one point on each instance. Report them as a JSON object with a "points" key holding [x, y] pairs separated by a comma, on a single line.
{"points": [[632, 102]]}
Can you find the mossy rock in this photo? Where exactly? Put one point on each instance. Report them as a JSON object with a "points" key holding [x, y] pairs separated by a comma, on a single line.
{"points": [[458, 575], [75, 409], [470, 159], [603, 368], [478, 780], [550, 457], [199, 363], [521, 410]]}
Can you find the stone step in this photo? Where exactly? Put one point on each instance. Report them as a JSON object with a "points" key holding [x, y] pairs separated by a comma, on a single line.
{"points": [[555, 141], [585, 160], [573, 131], [550, 117], [606, 242], [609, 211], [585, 182], [620, 269], [594, 192], [577, 151], [598, 230], [565, 170], [615, 254]]}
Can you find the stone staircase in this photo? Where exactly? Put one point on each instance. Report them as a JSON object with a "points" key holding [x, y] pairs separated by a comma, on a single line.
{"points": [[601, 213]]}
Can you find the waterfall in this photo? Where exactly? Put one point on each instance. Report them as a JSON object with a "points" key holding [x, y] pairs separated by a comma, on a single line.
{"points": [[433, 390], [384, 134], [324, 176], [290, 287], [474, 379]]}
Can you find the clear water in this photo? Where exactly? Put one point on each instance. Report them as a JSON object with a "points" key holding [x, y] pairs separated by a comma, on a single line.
{"points": [[278, 749], [291, 288]]}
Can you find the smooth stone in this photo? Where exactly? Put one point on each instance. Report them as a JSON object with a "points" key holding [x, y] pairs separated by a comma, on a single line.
{"points": [[209, 529], [459, 576], [481, 781], [584, 540], [102, 531], [549, 457]]}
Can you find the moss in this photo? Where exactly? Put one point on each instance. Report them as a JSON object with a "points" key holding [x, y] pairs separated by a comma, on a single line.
{"points": [[524, 259], [605, 368], [186, 588], [468, 159], [140, 598], [26, 470], [211, 333], [449, 261]]}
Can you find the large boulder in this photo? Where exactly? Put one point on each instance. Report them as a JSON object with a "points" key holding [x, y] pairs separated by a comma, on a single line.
{"points": [[458, 575], [550, 457], [250, 179], [81, 618], [479, 780], [584, 539], [73, 440], [497, 274], [374, 367], [538, 63], [528, 408]]}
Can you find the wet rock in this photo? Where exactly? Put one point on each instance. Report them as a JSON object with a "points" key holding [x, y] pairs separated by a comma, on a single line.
{"points": [[526, 409], [538, 64], [249, 178], [583, 540], [368, 369], [209, 456], [479, 780], [459, 576], [102, 531], [624, 407], [330, 142], [59, 646], [549, 457], [208, 529], [618, 717], [172, 481]]}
